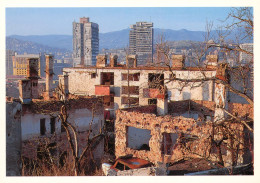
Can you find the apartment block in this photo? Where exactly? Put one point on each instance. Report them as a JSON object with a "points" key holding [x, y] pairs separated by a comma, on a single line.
{"points": [[85, 42], [20, 63], [141, 42], [9, 62], [123, 86], [246, 57]]}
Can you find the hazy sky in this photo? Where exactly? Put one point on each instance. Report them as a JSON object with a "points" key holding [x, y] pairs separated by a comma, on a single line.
{"points": [[45, 21]]}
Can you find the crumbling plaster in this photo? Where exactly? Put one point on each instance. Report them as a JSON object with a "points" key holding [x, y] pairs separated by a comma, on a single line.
{"points": [[80, 82], [145, 118]]}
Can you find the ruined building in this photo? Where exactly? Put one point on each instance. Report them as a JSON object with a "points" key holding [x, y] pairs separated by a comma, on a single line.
{"points": [[174, 131], [132, 85], [85, 42], [167, 114], [141, 42], [34, 120], [183, 132]]}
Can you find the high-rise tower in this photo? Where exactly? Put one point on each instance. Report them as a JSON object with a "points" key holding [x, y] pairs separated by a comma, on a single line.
{"points": [[85, 42], [141, 42]]}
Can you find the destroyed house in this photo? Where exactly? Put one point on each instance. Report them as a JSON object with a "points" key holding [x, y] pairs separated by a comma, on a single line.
{"points": [[40, 121], [184, 132]]}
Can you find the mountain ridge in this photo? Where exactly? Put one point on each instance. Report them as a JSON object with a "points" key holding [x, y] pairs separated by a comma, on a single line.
{"points": [[109, 40]]}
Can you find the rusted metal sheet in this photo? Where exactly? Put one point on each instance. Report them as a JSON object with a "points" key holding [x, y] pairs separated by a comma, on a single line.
{"points": [[130, 163], [102, 90], [153, 93]]}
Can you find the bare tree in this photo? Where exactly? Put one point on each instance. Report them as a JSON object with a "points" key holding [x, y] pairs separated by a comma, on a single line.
{"points": [[240, 82], [70, 157]]}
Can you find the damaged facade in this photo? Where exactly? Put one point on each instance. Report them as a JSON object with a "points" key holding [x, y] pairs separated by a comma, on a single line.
{"points": [[40, 120], [172, 131], [34, 122], [124, 85], [172, 137]]}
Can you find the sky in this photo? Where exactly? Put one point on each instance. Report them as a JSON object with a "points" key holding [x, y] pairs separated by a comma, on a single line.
{"points": [[46, 21]]}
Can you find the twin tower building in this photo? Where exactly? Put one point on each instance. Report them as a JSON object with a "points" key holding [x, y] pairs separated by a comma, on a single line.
{"points": [[86, 42]]}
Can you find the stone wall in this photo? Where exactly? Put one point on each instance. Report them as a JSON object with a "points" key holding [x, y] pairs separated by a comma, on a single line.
{"points": [[150, 171], [193, 138]]}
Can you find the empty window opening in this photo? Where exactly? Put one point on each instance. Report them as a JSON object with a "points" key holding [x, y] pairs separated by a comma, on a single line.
{"points": [[93, 75], [132, 90], [152, 101], [172, 76], [130, 100], [131, 77], [42, 126], [108, 101], [34, 84], [52, 124], [138, 139], [155, 80], [107, 78], [169, 143]]}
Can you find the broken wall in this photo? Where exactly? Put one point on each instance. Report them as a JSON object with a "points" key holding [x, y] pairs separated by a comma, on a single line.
{"points": [[79, 115], [13, 138], [81, 82], [193, 137]]}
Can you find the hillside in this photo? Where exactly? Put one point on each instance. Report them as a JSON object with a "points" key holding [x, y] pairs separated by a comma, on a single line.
{"points": [[21, 47], [111, 40]]}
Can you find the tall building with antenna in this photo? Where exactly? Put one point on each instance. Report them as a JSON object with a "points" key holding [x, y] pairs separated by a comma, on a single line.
{"points": [[141, 42], [85, 42]]}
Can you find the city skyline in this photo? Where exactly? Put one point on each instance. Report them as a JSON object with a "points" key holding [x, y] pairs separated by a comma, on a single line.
{"points": [[58, 20]]}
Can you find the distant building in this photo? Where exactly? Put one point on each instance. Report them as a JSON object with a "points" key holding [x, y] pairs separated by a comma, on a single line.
{"points": [[9, 62], [244, 57], [20, 63], [42, 65], [85, 42], [141, 41]]}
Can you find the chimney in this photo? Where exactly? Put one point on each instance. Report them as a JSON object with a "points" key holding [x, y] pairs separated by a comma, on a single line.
{"points": [[49, 77], [131, 61], [101, 60], [178, 61], [212, 61], [32, 75], [63, 86], [113, 60], [222, 71], [25, 89], [32, 68]]}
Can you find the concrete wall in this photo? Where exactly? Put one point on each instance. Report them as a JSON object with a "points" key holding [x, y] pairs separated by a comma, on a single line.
{"points": [[80, 82], [13, 139], [80, 118], [30, 125]]}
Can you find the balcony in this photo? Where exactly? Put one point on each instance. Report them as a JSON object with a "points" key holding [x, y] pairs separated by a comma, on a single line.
{"points": [[102, 90], [153, 93]]}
